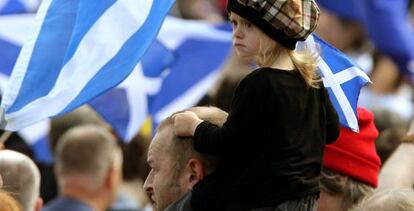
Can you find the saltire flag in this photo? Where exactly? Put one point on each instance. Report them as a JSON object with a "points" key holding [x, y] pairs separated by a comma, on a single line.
{"points": [[18, 6], [79, 49], [174, 74], [13, 31], [341, 76], [190, 52]]}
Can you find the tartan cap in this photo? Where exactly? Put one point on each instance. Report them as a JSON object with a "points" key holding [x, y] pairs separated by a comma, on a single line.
{"points": [[285, 21]]}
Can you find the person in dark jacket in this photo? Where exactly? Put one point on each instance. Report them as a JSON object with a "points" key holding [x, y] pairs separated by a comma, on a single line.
{"points": [[280, 119]]}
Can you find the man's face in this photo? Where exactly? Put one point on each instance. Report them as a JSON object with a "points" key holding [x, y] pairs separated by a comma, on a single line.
{"points": [[164, 184]]}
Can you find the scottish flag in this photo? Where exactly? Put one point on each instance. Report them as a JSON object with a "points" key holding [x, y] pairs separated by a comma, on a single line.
{"points": [[342, 77], [79, 49]]}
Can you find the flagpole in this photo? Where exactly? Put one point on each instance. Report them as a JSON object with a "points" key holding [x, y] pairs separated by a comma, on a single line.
{"points": [[4, 137]]}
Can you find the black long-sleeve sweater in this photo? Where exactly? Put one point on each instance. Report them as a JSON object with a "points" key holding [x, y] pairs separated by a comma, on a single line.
{"points": [[272, 143]]}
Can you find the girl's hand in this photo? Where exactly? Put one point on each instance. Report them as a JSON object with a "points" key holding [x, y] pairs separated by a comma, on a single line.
{"points": [[185, 123]]}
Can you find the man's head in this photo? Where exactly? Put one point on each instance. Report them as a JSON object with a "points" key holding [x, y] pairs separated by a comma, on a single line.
{"points": [[21, 178], [175, 166], [82, 116], [88, 164], [350, 166]]}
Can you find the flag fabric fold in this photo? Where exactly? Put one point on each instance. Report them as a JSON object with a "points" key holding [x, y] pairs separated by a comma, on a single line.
{"points": [[341, 76], [79, 49]]}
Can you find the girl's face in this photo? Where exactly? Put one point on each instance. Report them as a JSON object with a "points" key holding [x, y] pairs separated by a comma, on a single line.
{"points": [[246, 40]]}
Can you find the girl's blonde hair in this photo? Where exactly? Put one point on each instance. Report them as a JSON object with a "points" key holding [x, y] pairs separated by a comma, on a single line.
{"points": [[305, 61]]}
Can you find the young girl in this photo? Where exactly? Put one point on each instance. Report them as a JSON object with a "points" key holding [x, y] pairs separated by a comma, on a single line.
{"points": [[281, 117]]}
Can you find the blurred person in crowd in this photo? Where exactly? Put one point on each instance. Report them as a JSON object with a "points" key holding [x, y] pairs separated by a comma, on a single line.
{"points": [[135, 169], [398, 170], [395, 199], [58, 126], [350, 166], [8, 203], [175, 166], [388, 141], [81, 116], [200, 9], [388, 93], [385, 119], [21, 179], [342, 32], [16, 143], [88, 169], [385, 75], [392, 127], [282, 106]]}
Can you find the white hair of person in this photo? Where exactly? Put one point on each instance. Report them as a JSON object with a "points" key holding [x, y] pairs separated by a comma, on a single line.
{"points": [[20, 177]]}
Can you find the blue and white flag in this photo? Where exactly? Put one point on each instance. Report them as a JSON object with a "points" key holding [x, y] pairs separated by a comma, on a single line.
{"points": [[79, 49], [13, 31], [342, 77], [174, 74]]}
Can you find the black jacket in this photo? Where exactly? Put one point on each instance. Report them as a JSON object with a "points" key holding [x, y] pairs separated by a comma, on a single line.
{"points": [[272, 143]]}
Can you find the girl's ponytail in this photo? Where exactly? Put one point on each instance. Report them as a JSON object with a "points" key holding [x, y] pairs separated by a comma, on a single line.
{"points": [[306, 62]]}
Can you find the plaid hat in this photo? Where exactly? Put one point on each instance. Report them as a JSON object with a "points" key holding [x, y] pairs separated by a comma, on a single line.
{"points": [[353, 154], [285, 21]]}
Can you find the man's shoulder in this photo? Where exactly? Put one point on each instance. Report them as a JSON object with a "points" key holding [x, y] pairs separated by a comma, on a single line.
{"points": [[66, 203], [182, 204]]}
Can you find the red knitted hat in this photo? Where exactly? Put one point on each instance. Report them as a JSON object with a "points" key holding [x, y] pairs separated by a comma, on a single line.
{"points": [[354, 154]]}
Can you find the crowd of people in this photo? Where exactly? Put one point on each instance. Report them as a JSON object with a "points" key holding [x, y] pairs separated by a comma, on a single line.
{"points": [[260, 140]]}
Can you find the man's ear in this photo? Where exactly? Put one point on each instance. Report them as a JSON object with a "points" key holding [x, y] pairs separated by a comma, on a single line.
{"points": [[111, 177], [38, 204], [196, 170]]}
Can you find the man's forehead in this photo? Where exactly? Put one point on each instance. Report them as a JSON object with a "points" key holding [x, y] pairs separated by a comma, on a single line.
{"points": [[161, 143]]}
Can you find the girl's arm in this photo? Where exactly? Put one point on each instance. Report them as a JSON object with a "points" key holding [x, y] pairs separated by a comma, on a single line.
{"points": [[245, 120]]}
